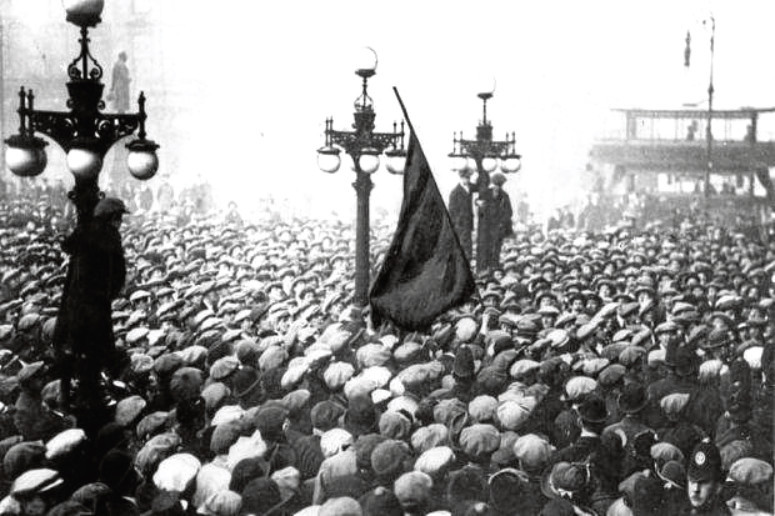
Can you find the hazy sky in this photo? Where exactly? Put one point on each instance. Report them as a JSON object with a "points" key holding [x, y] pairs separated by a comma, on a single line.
{"points": [[559, 66]]}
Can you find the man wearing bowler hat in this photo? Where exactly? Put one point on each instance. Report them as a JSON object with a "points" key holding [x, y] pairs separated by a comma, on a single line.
{"points": [[461, 211], [592, 414]]}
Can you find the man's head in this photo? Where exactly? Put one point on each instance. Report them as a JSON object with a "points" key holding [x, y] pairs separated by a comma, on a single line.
{"points": [[703, 477], [498, 180], [122, 56]]}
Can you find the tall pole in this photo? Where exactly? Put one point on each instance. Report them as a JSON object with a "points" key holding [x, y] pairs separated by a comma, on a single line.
{"points": [[362, 141], [483, 254], [2, 92], [362, 185], [709, 129], [484, 258]]}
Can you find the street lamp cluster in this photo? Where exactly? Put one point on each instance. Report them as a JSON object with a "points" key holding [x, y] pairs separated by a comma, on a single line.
{"points": [[85, 133], [364, 146], [483, 156]]}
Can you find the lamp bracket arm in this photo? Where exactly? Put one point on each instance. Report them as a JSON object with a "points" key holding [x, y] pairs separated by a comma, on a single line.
{"points": [[102, 131]]}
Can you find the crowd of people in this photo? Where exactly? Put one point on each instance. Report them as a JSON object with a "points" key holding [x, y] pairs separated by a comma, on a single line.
{"points": [[612, 373]]}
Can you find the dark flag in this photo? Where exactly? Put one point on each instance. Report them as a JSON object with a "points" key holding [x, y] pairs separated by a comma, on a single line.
{"points": [[688, 50], [425, 271]]}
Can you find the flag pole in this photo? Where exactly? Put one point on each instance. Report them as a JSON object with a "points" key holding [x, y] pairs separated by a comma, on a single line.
{"points": [[709, 131], [403, 109]]}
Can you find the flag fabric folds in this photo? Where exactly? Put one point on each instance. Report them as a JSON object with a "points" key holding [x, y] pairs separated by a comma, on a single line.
{"points": [[425, 271]]}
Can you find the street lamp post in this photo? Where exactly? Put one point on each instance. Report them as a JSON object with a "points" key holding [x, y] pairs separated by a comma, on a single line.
{"points": [[485, 153], [84, 132], [364, 146], [709, 129]]}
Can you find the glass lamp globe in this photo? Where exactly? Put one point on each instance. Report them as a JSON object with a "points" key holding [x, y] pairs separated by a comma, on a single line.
{"points": [[365, 61], [328, 159], [142, 164], [142, 160], [25, 156], [511, 164], [396, 161], [84, 163], [368, 161], [489, 163], [458, 163]]}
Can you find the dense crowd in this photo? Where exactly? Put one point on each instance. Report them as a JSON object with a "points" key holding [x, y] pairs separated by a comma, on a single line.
{"points": [[616, 373]]}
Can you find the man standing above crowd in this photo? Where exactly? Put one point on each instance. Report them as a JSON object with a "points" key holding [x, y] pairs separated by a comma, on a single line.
{"points": [[461, 211], [498, 219], [96, 274]]}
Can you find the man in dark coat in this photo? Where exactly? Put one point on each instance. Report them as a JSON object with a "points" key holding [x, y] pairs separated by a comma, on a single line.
{"points": [[592, 413], [498, 219], [461, 211], [95, 276]]}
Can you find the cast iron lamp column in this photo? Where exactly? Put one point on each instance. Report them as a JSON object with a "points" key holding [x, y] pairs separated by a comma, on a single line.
{"points": [[364, 146], [84, 132], [483, 155]]}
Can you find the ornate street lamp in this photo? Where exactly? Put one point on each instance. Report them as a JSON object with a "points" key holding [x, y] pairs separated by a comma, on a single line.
{"points": [[483, 155], [85, 132], [364, 146]]}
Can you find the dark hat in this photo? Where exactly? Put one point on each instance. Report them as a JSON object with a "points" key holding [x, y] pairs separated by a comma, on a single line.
{"points": [[611, 375], [325, 415], [117, 471], [564, 476], [593, 409], [245, 471], [224, 435], [464, 363], [648, 496], [186, 383], [704, 463], [380, 501], [739, 404], [364, 446], [633, 398], [260, 495], [507, 491], [716, 338], [673, 474], [22, 457], [108, 207], [467, 483], [388, 458], [269, 420], [245, 381], [684, 361], [360, 417]]}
